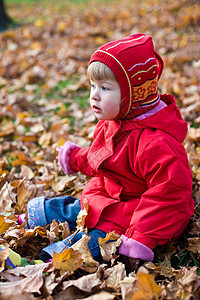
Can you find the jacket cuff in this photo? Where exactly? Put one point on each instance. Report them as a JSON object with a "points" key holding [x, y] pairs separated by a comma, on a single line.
{"points": [[135, 249], [63, 157]]}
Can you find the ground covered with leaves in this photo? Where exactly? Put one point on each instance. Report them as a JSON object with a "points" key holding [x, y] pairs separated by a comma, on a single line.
{"points": [[44, 102]]}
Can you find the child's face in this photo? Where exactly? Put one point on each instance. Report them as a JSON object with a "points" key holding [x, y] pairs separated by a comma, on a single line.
{"points": [[105, 98]]}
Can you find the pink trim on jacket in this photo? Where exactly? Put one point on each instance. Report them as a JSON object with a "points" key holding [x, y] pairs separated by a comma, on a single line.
{"points": [[135, 249], [151, 112]]}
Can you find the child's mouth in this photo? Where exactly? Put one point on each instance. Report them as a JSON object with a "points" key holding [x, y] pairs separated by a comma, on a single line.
{"points": [[96, 109]]}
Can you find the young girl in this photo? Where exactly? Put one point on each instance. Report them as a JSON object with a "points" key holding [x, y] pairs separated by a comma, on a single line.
{"points": [[141, 181]]}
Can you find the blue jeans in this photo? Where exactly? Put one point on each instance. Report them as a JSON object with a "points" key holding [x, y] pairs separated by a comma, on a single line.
{"points": [[42, 211]]}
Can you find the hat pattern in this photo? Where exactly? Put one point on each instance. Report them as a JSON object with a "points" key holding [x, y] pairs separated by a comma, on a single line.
{"points": [[137, 68], [145, 77]]}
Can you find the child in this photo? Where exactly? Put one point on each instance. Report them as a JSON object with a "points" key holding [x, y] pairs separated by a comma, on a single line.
{"points": [[141, 181]]}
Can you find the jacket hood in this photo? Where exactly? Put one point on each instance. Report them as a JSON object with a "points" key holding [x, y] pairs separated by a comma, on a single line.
{"points": [[168, 120], [137, 67]]}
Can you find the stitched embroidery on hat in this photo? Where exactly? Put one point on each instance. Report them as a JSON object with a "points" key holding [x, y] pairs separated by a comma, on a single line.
{"points": [[146, 90], [142, 64]]}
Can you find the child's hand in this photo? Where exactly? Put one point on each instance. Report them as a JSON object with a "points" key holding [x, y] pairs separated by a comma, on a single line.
{"points": [[131, 264], [64, 156]]}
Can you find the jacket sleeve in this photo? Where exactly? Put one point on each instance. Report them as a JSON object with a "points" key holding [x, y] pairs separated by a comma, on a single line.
{"points": [[78, 161], [166, 207]]}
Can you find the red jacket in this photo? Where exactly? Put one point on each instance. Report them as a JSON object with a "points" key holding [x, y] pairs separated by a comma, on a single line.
{"points": [[142, 183]]}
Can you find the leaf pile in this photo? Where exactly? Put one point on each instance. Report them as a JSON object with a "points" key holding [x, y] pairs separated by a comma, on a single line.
{"points": [[44, 102]]}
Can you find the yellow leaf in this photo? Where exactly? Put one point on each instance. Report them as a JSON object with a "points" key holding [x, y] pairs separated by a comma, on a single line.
{"points": [[82, 216], [61, 141], [39, 23], [36, 46], [41, 231], [61, 27], [5, 224], [68, 260], [111, 236], [99, 40], [147, 288]]}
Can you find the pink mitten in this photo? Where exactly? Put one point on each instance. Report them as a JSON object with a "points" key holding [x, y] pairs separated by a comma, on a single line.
{"points": [[135, 249], [63, 156]]}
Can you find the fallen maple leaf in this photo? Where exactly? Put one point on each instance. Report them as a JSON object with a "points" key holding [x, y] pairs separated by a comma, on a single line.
{"points": [[146, 287], [68, 260]]}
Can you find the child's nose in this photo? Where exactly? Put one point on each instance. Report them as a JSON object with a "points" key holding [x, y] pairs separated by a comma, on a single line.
{"points": [[95, 95]]}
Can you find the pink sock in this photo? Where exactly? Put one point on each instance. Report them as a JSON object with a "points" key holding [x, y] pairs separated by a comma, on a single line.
{"points": [[21, 220]]}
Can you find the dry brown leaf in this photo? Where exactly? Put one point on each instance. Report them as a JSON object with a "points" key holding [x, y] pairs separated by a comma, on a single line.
{"points": [[6, 198], [194, 245], [28, 279], [61, 182], [82, 216], [108, 245], [45, 139], [23, 196], [116, 275], [184, 286], [26, 172], [164, 268], [82, 247], [127, 286], [86, 283], [65, 230], [68, 260]]}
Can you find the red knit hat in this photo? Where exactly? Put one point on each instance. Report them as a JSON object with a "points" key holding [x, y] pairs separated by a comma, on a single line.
{"points": [[137, 68]]}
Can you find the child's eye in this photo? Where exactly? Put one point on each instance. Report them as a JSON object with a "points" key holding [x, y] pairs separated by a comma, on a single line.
{"points": [[104, 88], [92, 85]]}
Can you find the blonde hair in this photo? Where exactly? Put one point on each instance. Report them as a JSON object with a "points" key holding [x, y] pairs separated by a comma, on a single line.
{"points": [[99, 71]]}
